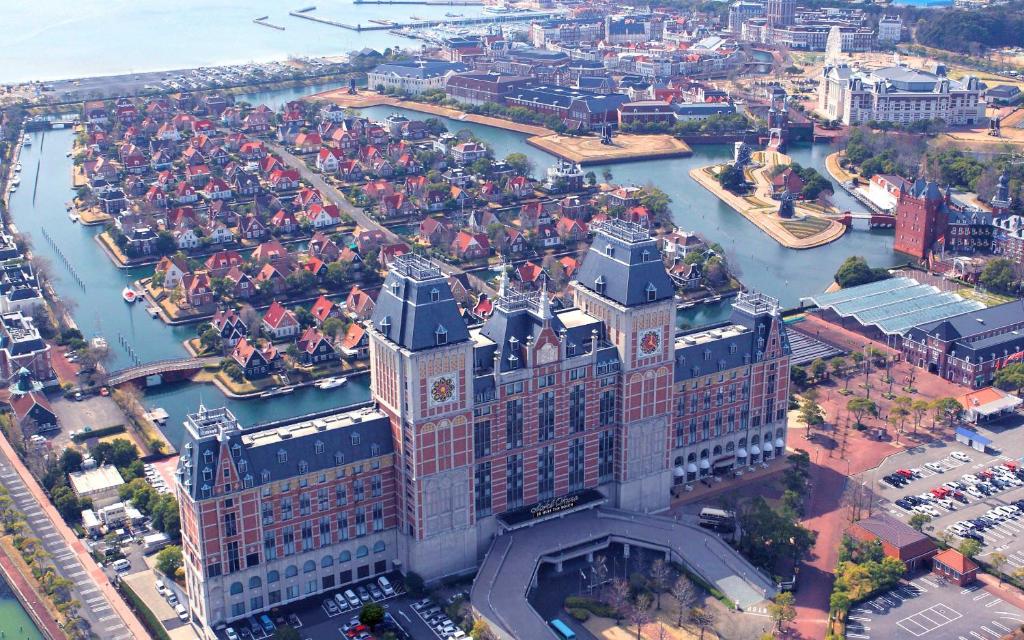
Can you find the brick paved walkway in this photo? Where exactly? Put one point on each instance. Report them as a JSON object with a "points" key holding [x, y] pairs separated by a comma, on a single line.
{"points": [[30, 599]]}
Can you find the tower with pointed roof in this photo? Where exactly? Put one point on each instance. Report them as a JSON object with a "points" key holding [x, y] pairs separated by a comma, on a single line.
{"points": [[421, 364], [623, 283], [920, 218], [1001, 200]]}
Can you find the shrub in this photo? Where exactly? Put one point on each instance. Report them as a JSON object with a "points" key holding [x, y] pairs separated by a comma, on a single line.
{"points": [[590, 605], [580, 615]]}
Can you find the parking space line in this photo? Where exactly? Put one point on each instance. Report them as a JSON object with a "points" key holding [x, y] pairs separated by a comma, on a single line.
{"points": [[981, 596], [993, 602], [1001, 626]]}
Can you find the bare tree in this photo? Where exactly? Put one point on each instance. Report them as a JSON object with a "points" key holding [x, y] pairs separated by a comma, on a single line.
{"points": [[617, 597], [703, 619], [659, 577], [640, 613], [600, 570], [684, 593]]}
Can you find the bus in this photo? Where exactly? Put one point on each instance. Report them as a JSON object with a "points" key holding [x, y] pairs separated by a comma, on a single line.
{"points": [[718, 519], [562, 629]]}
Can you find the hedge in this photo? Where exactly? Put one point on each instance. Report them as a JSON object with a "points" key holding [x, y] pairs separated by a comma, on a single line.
{"points": [[595, 607], [147, 616], [99, 433]]}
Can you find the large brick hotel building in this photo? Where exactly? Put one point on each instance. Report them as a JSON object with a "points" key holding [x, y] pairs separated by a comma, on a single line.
{"points": [[476, 430]]}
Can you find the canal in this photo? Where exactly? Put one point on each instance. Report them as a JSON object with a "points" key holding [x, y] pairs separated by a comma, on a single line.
{"points": [[74, 256], [15, 623]]}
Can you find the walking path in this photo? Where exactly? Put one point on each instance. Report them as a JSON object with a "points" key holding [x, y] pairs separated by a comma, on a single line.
{"points": [[30, 599], [761, 210], [836, 172], [102, 606]]}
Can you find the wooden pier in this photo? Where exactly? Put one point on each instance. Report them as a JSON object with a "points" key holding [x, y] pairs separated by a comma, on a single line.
{"points": [[490, 19], [262, 21]]}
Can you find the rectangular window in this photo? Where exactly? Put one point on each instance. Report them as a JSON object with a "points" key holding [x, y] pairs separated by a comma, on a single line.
{"points": [[323, 499], [769, 412], [274, 596], [514, 481], [482, 438], [230, 524], [546, 416], [288, 535], [267, 509], [342, 526], [514, 423], [360, 521], [376, 486], [357, 489], [291, 592], [307, 536], [482, 489], [606, 456], [237, 609], [234, 560], [269, 546], [340, 495], [546, 473], [286, 509], [256, 603], [577, 465], [607, 407], [378, 516], [325, 531], [304, 504], [577, 409], [680, 434]]}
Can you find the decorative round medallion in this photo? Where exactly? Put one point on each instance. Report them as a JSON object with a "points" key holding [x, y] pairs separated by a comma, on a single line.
{"points": [[649, 342], [442, 389]]}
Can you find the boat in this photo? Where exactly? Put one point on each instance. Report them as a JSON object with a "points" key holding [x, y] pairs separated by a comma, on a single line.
{"points": [[280, 391], [99, 342], [16, 180], [73, 216], [17, 167], [129, 295], [27, 140], [453, 15], [331, 383], [13, 188], [152, 311]]}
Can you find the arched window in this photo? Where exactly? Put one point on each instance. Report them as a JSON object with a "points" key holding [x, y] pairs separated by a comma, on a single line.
{"points": [[255, 582], [729, 447], [309, 567], [741, 443], [717, 450], [362, 552], [692, 457], [291, 571], [345, 556], [273, 576], [441, 335], [236, 588], [704, 454], [327, 561], [379, 546], [678, 461]]}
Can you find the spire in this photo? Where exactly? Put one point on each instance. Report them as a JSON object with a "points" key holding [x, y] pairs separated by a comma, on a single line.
{"points": [[503, 286], [545, 302]]}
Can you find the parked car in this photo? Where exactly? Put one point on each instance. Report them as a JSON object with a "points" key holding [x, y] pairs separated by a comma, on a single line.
{"points": [[385, 586], [375, 592], [182, 613], [231, 634], [364, 595], [934, 466], [962, 457], [353, 599], [330, 607], [267, 624], [122, 565]]}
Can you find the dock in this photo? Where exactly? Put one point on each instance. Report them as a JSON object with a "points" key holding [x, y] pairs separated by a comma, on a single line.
{"points": [[262, 21], [422, 24], [436, 3]]}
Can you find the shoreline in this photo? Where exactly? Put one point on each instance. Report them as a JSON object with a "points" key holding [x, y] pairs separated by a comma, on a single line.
{"points": [[770, 225]]}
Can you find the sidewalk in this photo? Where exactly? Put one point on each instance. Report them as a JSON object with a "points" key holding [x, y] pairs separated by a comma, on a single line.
{"points": [[74, 544]]}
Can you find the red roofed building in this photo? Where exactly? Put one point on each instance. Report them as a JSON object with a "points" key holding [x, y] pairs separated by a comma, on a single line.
{"points": [[221, 262], [787, 180], [33, 412], [356, 343], [280, 322], [360, 303], [529, 272], [323, 309], [314, 347], [197, 289], [899, 540], [256, 361], [955, 567], [471, 246]]}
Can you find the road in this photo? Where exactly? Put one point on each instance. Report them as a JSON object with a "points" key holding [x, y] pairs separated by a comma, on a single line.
{"points": [[101, 606], [356, 213]]}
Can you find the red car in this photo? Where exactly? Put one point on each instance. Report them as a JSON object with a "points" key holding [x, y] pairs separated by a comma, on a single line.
{"points": [[905, 473], [357, 630], [1012, 466], [940, 492], [985, 473]]}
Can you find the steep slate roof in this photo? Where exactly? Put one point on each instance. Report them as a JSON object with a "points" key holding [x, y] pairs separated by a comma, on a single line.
{"points": [[348, 437], [622, 263], [973, 323], [415, 301]]}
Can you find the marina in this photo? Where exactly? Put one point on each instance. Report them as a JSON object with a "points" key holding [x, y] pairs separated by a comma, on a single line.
{"points": [[381, 24], [262, 21]]}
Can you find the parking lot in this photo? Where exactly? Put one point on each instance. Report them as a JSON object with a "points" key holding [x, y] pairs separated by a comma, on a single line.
{"points": [[952, 491], [321, 617], [929, 607]]}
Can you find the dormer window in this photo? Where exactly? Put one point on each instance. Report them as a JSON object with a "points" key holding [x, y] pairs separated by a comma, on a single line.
{"points": [[385, 325], [513, 361], [303, 466], [645, 256], [599, 285], [339, 458], [243, 466], [319, 446], [570, 349], [207, 473], [609, 250], [265, 476], [652, 292], [707, 354], [282, 456], [435, 295], [374, 449], [207, 456], [356, 439], [441, 335], [236, 450], [395, 288]]}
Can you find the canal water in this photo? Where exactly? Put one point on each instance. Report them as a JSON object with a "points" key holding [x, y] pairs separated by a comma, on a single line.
{"points": [[75, 257], [15, 623]]}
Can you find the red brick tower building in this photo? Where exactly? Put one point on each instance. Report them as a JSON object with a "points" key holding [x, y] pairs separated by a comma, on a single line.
{"points": [[920, 218]]}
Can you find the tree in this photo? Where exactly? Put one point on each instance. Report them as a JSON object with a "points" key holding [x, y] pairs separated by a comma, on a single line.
{"points": [[210, 341], [919, 408], [71, 461], [371, 614], [169, 560], [684, 593], [998, 275], [947, 410], [659, 576], [640, 613], [838, 365], [781, 610], [970, 548], [918, 520], [811, 413], [855, 271], [520, 163], [839, 601], [818, 369], [481, 631], [702, 618], [333, 327], [334, 279], [731, 178], [996, 561], [861, 407], [413, 583], [798, 375], [1011, 377], [287, 632], [617, 596]]}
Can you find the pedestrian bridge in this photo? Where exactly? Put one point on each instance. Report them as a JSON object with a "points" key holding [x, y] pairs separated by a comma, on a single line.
{"points": [[509, 570], [160, 368]]}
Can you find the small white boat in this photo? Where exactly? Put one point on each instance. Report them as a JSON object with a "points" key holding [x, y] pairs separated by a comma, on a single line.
{"points": [[280, 391], [28, 140], [67, 155], [129, 295], [17, 168], [16, 181], [13, 188], [73, 217], [331, 383], [99, 342]]}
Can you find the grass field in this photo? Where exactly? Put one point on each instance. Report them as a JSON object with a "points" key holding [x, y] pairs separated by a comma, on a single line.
{"points": [[986, 298], [806, 227]]}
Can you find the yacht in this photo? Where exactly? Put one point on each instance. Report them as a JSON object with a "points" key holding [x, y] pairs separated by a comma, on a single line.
{"points": [[27, 140], [280, 391], [99, 342], [129, 295], [17, 167], [15, 181], [331, 383]]}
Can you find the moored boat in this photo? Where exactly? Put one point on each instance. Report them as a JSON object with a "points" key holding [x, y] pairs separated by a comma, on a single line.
{"points": [[129, 295], [331, 383]]}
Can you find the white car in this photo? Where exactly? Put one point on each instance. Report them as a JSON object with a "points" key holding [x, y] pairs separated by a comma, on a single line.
{"points": [[962, 457], [927, 497], [947, 503], [972, 490], [956, 529], [995, 515], [917, 472], [1006, 510], [970, 479], [935, 466]]}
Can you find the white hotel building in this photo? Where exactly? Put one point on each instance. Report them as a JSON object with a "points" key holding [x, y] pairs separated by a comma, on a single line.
{"points": [[898, 94]]}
